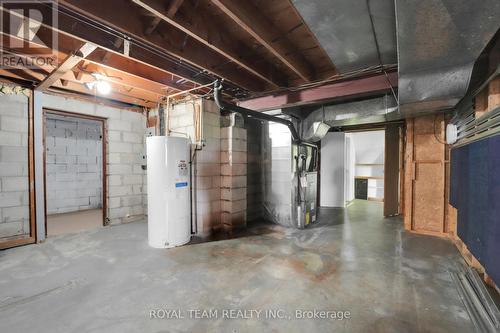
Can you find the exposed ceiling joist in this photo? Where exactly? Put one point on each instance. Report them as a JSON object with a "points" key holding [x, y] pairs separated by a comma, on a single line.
{"points": [[171, 41], [171, 11], [110, 53], [114, 95], [198, 29], [67, 65], [250, 19]]}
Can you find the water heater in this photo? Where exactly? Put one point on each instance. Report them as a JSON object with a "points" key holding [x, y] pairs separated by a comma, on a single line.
{"points": [[169, 213]]}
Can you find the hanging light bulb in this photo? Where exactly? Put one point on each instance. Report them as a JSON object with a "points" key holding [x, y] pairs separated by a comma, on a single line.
{"points": [[103, 87]]}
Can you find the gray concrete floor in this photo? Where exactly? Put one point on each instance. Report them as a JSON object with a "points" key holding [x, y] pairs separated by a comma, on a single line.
{"points": [[108, 280], [69, 223]]}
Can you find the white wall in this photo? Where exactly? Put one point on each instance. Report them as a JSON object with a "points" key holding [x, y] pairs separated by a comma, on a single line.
{"points": [[332, 173], [125, 155], [73, 163], [370, 148], [14, 194]]}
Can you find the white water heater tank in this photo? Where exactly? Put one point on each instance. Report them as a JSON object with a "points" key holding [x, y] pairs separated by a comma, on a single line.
{"points": [[169, 213]]}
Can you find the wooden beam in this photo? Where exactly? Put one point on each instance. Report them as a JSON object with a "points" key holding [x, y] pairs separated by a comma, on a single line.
{"points": [[67, 65], [172, 41], [114, 95], [171, 11], [127, 85], [322, 94], [250, 19], [72, 33], [199, 29], [174, 7]]}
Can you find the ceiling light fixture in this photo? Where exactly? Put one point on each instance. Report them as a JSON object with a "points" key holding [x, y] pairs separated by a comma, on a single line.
{"points": [[103, 87]]}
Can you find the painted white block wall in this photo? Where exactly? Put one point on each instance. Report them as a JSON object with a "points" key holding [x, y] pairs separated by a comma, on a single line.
{"points": [[14, 193], [73, 163], [332, 172], [125, 155]]}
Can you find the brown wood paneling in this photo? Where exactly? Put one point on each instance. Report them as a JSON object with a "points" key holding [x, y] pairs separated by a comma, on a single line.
{"points": [[428, 194], [425, 176], [391, 171]]}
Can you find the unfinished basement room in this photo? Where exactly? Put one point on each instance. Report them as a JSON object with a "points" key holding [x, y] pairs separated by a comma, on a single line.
{"points": [[250, 166]]}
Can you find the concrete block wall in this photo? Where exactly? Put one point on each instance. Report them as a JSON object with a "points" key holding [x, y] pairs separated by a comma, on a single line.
{"points": [[234, 177], [14, 192], [73, 164], [206, 165], [125, 155]]}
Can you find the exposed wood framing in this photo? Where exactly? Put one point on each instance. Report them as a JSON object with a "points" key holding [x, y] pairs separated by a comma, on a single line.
{"points": [[171, 41], [171, 11], [249, 18], [67, 65], [72, 33], [199, 29]]}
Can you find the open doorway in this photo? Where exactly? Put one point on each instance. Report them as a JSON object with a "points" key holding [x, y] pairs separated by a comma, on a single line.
{"points": [[365, 165], [75, 176], [362, 165]]}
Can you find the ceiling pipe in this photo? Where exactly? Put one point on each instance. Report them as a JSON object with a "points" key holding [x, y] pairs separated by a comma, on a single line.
{"points": [[254, 114]]}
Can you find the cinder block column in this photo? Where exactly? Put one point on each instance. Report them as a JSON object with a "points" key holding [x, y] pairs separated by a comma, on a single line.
{"points": [[234, 177]]}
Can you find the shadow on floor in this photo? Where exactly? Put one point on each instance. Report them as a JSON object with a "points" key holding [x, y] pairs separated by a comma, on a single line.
{"points": [[254, 228]]}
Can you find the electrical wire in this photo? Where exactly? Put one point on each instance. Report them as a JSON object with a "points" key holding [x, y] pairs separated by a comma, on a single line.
{"points": [[196, 72], [378, 50]]}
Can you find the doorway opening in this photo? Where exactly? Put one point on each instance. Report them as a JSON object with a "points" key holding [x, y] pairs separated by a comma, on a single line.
{"points": [[75, 173], [365, 165], [362, 164]]}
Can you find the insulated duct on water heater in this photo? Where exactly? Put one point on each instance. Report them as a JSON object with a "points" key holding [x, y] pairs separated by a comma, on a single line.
{"points": [[168, 179]]}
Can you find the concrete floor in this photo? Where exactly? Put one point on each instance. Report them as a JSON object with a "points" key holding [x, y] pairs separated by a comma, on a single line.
{"points": [[108, 280], [69, 223]]}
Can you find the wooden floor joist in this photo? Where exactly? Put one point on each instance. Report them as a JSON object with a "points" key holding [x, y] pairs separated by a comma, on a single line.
{"points": [[67, 65]]}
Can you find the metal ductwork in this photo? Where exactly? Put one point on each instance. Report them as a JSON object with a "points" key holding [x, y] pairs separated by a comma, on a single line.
{"points": [[355, 34], [374, 110], [251, 113], [439, 42]]}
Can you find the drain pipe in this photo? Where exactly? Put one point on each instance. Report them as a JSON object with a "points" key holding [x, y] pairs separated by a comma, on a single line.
{"points": [[254, 114]]}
